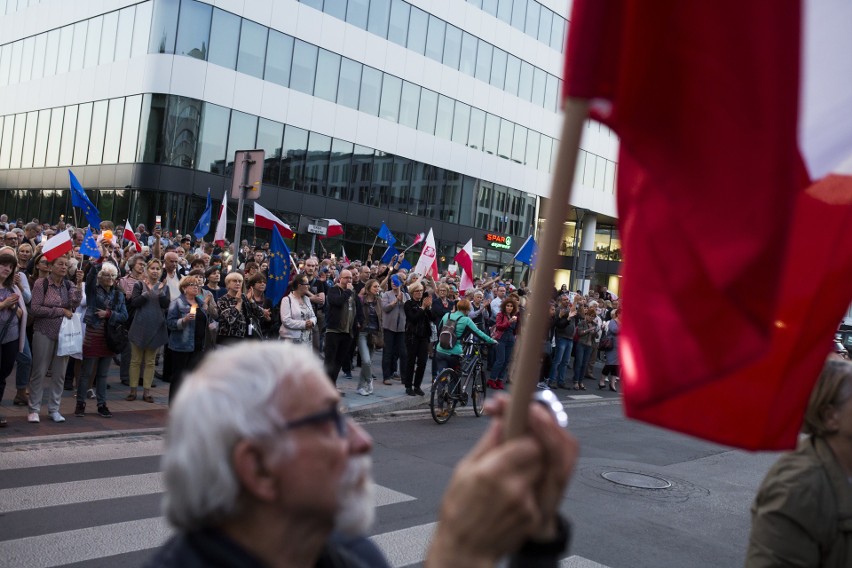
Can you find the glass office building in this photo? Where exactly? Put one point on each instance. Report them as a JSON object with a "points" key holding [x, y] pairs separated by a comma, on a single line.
{"points": [[419, 114]]}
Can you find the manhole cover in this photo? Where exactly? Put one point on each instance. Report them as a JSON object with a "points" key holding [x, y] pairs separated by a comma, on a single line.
{"points": [[633, 479]]}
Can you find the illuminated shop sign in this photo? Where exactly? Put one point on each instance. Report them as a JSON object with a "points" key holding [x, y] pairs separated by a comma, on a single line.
{"points": [[502, 242]]}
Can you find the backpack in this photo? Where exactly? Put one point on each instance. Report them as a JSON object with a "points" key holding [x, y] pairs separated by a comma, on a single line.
{"points": [[447, 336]]}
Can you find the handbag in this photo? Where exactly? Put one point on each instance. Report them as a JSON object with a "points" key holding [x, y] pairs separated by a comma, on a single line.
{"points": [[378, 338], [115, 334], [70, 339]]}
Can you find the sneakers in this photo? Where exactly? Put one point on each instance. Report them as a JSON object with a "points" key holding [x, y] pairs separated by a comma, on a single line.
{"points": [[363, 392], [543, 385], [80, 409], [33, 417], [90, 393], [56, 417], [370, 387], [103, 411]]}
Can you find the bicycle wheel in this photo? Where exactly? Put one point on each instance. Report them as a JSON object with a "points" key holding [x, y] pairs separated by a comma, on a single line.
{"points": [[477, 392], [441, 404]]}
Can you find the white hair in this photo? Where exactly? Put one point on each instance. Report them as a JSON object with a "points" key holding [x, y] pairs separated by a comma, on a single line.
{"points": [[107, 269], [228, 398]]}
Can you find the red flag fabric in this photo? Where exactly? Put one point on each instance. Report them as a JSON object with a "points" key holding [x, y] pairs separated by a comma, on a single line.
{"points": [[57, 245], [129, 235], [723, 247], [334, 229], [265, 219], [464, 258]]}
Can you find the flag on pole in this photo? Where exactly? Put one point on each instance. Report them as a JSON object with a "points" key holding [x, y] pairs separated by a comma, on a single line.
{"points": [[129, 235], [343, 255], [264, 219], [89, 247], [334, 229], [203, 226], [81, 200], [389, 254], [706, 102], [280, 264], [419, 238], [464, 258], [222, 224], [58, 245], [526, 254], [385, 234], [428, 262]]}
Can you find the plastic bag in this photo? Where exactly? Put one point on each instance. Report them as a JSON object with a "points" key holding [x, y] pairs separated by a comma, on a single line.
{"points": [[70, 340]]}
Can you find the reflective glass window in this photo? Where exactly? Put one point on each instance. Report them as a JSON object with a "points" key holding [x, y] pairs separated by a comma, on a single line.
{"points": [[96, 138], [360, 173], [600, 173], [551, 92], [29, 139], [225, 39], [130, 129], [93, 41], [241, 136], [538, 87], [5, 63], [428, 111], [81, 135], [483, 61], [545, 22], [328, 71], [211, 142], [357, 12], [513, 74], [492, 133], [6, 141], [409, 104], [141, 28], [154, 131], [526, 81], [110, 28], [124, 36], [507, 131], [391, 88], [304, 67], [338, 169], [15, 62], [180, 132], [379, 14], [504, 10], [519, 14], [498, 68], [63, 52], [609, 184], [435, 38], [41, 137], [112, 139], [38, 56], [533, 143], [398, 27], [467, 63], [461, 122], [466, 216], [269, 136], [490, 7], [544, 152], [163, 26], [444, 122], [371, 90], [279, 54], [193, 35], [400, 183], [294, 153], [557, 33], [27, 59], [452, 46], [252, 49], [316, 167], [533, 10], [54, 137], [380, 181], [315, 4], [335, 8], [418, 25], [349, 86], [69, 127], [477, 129], [519, 144]]}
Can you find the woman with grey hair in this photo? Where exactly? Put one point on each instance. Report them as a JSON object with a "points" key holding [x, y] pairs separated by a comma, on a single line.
{"points": [[105, 303]]}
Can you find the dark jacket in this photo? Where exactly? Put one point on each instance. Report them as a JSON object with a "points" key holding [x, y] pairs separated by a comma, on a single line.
{"points": [[417, 320], [565, 325], [98, 298], [336, 299], [148, 329]]}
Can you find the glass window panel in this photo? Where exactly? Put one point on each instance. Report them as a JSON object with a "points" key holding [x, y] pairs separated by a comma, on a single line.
{"points": [[225, 39], [498, 68], [294, 153], [316, 168], [241, 136], [467, 63], [81, 136], [435, 38], [526, 81], [533, 143], [339, 169], [130, 129], [154, 130], [29, 139], [609, 183], [428, 111], [93, 42], [357, 12], [418, 24], [545, 149], [452, 46], [504, 10], [51, 54], [78, 47], [409, 104], [193, 35], [6, 141], [461, 122], [279, 54], [69, 127], [360, 173], [545, 22], [315, 4], [533, 10], [180, 130], [398, 27], [507, 131], [556, 33], [477, 128], [513, 74], [124, 37], [483, 61], [444, 122], [468, 199], [476, 3], [96, 138], [397, 197], [15, 62], [519, 144], [379, 14], [107, 48], [519, 13], [63, 50], [54, 137], [211, 141], [349, 86], [335, 8], [141, 28], [391, 88], [252, 49], [328, 71], [269, 135], [42, 134], [371, 90], [38, 56], [538, 87], [163, 26], [490, 7], [492, 133], [112, 140], [551, 93], [304, 67], [600, 173], [27, 59], [5, 63]]}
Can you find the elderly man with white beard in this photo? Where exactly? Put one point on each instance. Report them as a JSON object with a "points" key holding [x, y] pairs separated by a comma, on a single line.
{"points": [[262, 469]]}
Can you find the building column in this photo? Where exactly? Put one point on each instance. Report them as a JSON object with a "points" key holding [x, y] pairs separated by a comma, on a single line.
{"points": [[584, 262]]}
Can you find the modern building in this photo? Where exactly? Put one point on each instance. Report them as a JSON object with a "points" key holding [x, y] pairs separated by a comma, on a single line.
{"points": [[416, 113]]}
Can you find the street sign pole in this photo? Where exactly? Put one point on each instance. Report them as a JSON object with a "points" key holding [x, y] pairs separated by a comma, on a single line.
{"points": [[248, 165]]}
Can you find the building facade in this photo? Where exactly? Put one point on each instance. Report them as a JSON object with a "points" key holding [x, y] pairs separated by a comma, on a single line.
{"points": [[417, 113]]}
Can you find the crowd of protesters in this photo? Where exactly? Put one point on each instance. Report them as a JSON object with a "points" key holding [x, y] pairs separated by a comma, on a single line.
{"points": [[177, 298]]}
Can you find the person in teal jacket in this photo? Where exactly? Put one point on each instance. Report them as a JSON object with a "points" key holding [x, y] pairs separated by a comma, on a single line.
{"points": [[452, 357]]}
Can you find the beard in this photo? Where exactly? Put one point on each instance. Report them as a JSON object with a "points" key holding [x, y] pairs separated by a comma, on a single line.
{"points": [[356, 495]]}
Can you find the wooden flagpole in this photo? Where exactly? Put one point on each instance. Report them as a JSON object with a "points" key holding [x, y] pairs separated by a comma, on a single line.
{"points": [[527, 365]]}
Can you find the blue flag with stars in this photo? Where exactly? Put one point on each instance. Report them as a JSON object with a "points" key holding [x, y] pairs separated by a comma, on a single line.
{"points": [[527, 252], [389, 254], [90, 245], [203, 226], [279, 269], [81, 200], [384, 233]]}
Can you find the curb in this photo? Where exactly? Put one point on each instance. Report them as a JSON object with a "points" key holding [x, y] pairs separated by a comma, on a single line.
{"points": [[25, 440], [390, 405]]}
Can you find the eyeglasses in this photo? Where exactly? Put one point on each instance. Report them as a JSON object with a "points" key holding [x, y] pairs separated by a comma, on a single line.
{"points": [[336, 414]]}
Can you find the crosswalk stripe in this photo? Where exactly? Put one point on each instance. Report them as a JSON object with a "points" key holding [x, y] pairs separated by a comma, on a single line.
{"points": [[579, 562], [124, 448], [405, 546]]}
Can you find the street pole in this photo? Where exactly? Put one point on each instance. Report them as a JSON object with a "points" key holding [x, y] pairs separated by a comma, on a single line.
{"points": [[245, 183]]}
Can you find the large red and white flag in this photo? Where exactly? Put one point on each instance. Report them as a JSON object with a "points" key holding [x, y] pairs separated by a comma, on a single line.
{"points": [[734, 203], [264, 219], [334, 229], [222, 224], [428, 261], [130, 236], [57, 245], [464, 258]]}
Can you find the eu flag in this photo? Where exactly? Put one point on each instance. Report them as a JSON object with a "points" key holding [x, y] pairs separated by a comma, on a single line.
{"points": [[384, 233], [90, 245], [81, 200], [279, 269], [386, 258], [527, 252], [203, 226]]}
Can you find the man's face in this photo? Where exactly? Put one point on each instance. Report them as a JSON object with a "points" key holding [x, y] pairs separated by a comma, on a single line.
{"points": [[345, 279], [258, 257], [10, 239], [170, 261], [501, 291], [365, 274], [311, 267], [564, 302]]}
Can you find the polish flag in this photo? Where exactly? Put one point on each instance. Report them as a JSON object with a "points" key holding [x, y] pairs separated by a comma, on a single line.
{"points": [[264, 219], [343, 255], [130, 236], [464, 259], [57, 245], [735, 136], [222, 224], [334, 229], [428, 261], [418, 238]]}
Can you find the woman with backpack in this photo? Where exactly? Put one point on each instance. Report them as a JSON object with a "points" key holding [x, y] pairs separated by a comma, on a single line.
{"points": [[449, 350]]}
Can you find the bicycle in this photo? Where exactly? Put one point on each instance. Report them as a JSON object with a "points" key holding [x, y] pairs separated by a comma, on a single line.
{"points": [[453, 386]]}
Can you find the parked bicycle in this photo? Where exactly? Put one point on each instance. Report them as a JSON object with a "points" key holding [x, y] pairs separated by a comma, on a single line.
{"points": [[460, 383]]}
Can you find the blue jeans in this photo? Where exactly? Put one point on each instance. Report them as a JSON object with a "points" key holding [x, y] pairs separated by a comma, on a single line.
{"points": [[89, 363], [561, 356], [25, 364], [504, 356], [580, 360]]}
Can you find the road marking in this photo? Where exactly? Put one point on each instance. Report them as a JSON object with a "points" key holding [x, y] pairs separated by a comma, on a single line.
{"points": [[126, 448], [585, 397], [405, 546], [579, 562]]}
